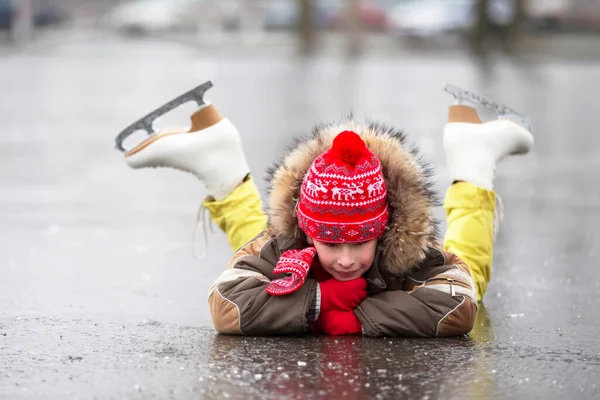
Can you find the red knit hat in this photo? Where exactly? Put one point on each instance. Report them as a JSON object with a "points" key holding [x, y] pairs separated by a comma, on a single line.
{"points": [[343, 198]]}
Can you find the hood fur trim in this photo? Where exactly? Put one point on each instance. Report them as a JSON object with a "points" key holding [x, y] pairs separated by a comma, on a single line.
{"points": [[411, 230]]}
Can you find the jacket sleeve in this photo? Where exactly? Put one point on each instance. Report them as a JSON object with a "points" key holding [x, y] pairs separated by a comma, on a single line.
{"points": [[239, 304], [444, 304]]}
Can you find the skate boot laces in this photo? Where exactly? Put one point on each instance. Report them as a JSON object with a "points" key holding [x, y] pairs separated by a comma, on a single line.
{"points": [[201, 223], [498, 214]]}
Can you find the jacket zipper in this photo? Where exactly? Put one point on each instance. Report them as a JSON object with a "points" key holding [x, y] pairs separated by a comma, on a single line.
{"points": [[452, 292]]}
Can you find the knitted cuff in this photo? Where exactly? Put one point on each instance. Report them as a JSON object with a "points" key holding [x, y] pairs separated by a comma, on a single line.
{"points": [[315, 307]]}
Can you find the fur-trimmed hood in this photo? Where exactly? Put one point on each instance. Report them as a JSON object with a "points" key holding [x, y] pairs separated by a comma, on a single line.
{"points": [[412, 228]]}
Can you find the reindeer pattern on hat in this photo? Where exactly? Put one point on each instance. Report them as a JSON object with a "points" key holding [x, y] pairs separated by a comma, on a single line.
{"points": [[335, 190]]}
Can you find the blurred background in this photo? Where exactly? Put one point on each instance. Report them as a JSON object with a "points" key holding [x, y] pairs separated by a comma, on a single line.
{"points": [[475, 25]]}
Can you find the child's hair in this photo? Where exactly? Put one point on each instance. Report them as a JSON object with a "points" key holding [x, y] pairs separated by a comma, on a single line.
{"points": [[343, 198]]}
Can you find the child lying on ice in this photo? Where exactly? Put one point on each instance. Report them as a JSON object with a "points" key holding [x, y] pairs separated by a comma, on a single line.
{"points": [[348, 244]]}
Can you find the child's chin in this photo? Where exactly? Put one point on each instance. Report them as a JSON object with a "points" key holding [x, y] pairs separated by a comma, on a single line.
{"points": [[344, 278]]}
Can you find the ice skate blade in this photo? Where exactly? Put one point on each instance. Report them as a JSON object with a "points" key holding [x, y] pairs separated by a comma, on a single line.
{"points": [[201, 119], [146, 123], [503, 112]]}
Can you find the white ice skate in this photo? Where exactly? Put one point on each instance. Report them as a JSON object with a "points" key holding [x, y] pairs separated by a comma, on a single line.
{"points": [[473, 147], [211, 149]]}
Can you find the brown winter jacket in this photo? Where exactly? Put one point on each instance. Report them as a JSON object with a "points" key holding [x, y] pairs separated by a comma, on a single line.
{"points": [[415, 288]]}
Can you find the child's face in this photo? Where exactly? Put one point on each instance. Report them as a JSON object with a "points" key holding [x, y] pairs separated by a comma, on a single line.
{"points": [[345, 261]]}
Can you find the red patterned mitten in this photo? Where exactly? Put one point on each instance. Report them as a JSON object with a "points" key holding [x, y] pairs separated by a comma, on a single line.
{"points": [[297, 264]]}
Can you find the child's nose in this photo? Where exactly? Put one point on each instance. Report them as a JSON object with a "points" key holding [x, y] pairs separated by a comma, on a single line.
{"points": [[346, 260], [346, 263]]}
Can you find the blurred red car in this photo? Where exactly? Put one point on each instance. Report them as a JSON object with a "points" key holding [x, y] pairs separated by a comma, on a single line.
{"points": [[372, 15]]}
